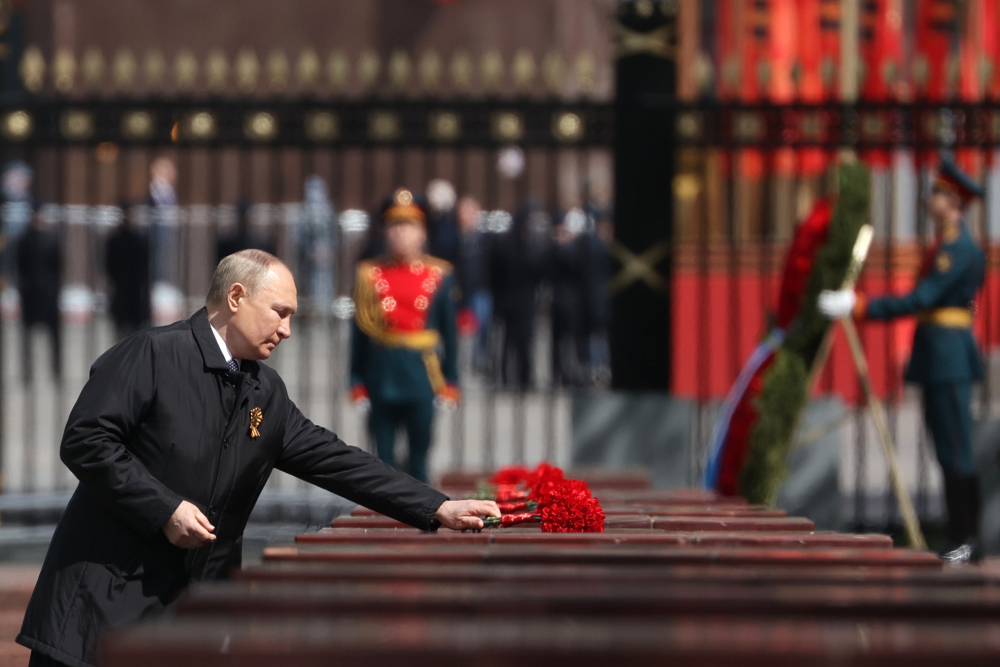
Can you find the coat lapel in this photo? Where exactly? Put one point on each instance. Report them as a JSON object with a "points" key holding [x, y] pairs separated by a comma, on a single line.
{"points": [[210, 352]]}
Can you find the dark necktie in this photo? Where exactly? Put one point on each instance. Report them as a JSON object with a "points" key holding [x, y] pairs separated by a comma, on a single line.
{"points": [[234, 366]]}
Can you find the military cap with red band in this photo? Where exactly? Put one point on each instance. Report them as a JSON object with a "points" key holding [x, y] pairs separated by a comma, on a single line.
{"points": [[403, 207], [953, 179]]}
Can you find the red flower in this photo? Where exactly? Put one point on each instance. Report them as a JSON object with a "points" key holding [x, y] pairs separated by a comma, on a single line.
{"points": [[542, 474], [510, 494], [565, 506], [573, 514], [510, 475], [552, 490]]}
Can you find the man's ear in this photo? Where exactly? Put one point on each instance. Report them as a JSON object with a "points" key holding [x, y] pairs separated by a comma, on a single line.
{"points": [[235, 294]]}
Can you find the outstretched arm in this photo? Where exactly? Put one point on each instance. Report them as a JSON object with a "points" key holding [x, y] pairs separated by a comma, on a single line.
{"points": [[925, 295]]}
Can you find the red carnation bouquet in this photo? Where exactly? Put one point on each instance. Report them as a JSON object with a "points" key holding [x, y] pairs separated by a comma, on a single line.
{"points": [[545, 496]]}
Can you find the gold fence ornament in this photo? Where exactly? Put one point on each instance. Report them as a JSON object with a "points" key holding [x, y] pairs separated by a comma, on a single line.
{"points": [[637, 266], [659, 42]]}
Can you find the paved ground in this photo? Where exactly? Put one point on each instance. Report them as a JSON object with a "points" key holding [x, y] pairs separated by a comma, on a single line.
{"points": [[21, 553], [16, 583], [18, 579]]}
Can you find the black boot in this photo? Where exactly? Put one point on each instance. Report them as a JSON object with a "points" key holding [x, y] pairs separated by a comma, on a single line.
{"points": [[952, 541], [963, 519]]}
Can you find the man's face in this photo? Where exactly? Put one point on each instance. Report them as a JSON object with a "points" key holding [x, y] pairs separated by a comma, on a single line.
{"points": [[163, 169], [941, 203], [468, 214], [262, 321], [406, 239]]}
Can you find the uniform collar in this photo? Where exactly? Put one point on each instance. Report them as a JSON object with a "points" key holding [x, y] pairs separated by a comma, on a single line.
{"points": [[951, 234], [389, 260]]}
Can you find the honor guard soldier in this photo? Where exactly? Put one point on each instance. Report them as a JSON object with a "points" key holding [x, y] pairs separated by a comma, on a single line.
{"points": [[403, 349], [945, 360]]}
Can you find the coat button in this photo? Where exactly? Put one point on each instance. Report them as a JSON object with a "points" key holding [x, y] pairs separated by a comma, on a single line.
{"points": [[211, 511], [225, 443]]}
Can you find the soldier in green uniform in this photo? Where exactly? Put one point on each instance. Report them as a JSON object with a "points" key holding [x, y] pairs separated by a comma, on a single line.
{"points": [[945, 360], [403, 348]]}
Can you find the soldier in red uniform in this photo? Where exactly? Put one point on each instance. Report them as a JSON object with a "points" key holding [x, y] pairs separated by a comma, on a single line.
{"points": [[403, 349]]}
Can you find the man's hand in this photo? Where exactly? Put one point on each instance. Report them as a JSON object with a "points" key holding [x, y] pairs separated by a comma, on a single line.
{"points": [[188, 528], [359, 395], [465, 514]]}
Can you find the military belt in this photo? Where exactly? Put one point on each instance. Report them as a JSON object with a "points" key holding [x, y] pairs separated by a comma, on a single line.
{"points": [[954, 317]]}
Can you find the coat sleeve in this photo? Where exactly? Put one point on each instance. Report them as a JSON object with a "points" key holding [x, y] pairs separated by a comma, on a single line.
{"points": [[318, 456], [113, 403], [927, 293]]}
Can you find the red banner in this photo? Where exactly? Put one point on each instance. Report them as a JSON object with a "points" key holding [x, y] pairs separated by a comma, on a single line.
{"points": [[819, 55], [880, 42], [937, 23], [976, 31]]}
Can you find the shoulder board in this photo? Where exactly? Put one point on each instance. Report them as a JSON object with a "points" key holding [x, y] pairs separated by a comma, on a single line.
{"points": [[367, 268]]}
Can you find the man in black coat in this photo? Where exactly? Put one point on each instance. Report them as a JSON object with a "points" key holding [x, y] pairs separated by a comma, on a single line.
{"points": [[516, 266], [127, 263], [39, 279], [173, 439]]}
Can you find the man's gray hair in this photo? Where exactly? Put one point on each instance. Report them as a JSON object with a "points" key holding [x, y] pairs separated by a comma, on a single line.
{"points": [[246, 267]]}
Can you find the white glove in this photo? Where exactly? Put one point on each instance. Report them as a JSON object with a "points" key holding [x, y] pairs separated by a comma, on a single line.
{"points": [[836, 304]]}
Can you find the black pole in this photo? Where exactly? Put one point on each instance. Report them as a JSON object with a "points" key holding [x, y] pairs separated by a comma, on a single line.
{"points": [[11, 48], [640, 333]]}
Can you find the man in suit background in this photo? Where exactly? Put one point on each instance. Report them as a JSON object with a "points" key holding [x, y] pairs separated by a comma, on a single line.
{"points": [[39, 281]]}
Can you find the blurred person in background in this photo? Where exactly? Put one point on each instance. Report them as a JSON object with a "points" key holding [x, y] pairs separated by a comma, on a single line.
{"points": [[597, 264], [516, 265], [565, 269], [244, 237], [16, 214], [404, 340], [167, 297], [126, 260], [443, 236], [39, 279], [473, 275], [163, 205], [316, 241]]}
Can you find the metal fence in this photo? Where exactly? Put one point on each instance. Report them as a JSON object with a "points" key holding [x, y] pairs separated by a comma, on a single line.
{"points": [[307, 191], [88, 154]]}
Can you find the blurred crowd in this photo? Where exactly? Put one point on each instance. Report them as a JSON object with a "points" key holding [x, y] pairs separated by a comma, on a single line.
{"points": [[515, 269]]}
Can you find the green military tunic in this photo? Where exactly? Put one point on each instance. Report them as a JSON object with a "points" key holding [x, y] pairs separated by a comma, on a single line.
{"points": [[945, 360]]}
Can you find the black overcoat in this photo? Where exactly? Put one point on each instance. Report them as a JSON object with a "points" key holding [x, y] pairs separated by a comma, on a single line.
{"points": [[39, 271], [161, 420]]}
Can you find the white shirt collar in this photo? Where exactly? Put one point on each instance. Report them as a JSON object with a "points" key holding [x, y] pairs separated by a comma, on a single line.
{"points": [[222, 345]]}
